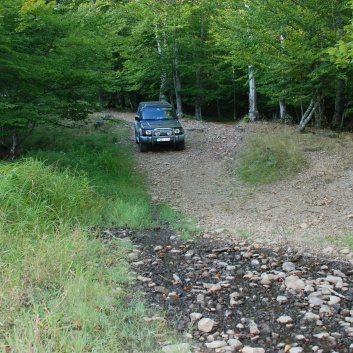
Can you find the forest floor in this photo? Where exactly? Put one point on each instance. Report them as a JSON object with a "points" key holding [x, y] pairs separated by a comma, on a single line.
{"points": [[311, 212]]}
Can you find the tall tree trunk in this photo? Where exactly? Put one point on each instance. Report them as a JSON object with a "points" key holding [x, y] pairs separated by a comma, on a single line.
{"points": [[177, 82], [198, 107], [320, 116], [164, 80], [283, 110], [253, 113], [199, 73], [14, 144], [339, 104]]}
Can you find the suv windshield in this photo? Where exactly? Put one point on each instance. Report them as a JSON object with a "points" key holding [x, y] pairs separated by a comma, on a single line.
{"points": [[158, 113]]}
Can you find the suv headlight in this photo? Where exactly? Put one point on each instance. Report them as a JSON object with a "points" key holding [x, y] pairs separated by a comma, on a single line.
{"points": [[146, 132], [178, 130]]}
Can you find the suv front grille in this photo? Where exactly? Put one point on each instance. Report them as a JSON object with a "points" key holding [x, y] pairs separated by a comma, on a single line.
{"points": [[163, 132]]}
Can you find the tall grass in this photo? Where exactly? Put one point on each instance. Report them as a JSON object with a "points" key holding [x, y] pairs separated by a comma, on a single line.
{"points": [[267, 158], [37, 198], [109, 167], [62, 289]]}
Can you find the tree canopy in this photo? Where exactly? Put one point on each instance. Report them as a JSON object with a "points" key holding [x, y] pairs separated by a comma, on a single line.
{"points": [[63, 59]]}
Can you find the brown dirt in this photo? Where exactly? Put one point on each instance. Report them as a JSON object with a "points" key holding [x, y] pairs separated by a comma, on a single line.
{"points": [[311, 212]]}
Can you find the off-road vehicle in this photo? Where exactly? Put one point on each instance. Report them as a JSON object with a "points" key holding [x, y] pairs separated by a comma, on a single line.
{"points": [[156, 123]]}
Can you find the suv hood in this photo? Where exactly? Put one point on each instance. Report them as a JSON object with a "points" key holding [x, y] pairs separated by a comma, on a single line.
{"points": [[152, 124]]}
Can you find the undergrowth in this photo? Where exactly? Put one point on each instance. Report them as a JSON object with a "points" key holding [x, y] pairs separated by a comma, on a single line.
{"points": [[64, 290]]}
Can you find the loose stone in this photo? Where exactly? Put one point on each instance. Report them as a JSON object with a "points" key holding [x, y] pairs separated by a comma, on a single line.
{"points": [[288, 266], [215, 344], [248, 349], [206, 325], [180, 348], [235, 343], [284, 319], [295, 283]]}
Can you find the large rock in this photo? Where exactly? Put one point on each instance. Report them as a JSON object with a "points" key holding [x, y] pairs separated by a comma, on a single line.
{"points": [[206, 325], [284, 319], [294, 282], [248, 349]]}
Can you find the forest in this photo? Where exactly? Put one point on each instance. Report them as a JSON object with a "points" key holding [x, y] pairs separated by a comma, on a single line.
{"points": [[286, 61]]}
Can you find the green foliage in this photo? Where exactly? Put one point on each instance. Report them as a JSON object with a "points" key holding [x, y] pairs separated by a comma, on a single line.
{"points": [[267, 158], [57, 57]]}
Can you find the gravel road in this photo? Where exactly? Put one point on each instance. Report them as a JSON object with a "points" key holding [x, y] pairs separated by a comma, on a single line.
{"points": [[307, 212]]}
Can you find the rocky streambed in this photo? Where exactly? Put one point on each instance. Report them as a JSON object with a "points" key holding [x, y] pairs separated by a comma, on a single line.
{"points": [[243, 298]]}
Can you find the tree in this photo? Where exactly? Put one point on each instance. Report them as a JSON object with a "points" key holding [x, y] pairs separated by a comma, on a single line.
{"points": [[55, 62], [286, 42]]}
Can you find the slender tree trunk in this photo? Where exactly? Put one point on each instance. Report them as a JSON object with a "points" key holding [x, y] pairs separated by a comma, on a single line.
{"points": [[199, 73], [283, 110], [177, 82], [253, 113], [320, 116], [164, 80], [14, 144], [198, 107], [339, 105], [234, 95], [306, 117]]}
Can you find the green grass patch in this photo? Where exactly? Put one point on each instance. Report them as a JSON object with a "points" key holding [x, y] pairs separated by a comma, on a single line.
{"points": [[36, 198], [107, 164], [185, 225], [344, 240], [69, 293], [266, 158]]}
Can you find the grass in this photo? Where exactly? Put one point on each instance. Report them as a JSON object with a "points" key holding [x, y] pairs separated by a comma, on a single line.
{"points": [[107, 164], [63, 290], [266, 158], [274, 153], [344, 240], [175, 220]]}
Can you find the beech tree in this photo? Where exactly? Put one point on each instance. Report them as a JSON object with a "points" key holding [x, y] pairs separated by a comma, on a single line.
{"points": [[168, 49], [287, 43], [341, 55], [53, 62], [61, 59]]}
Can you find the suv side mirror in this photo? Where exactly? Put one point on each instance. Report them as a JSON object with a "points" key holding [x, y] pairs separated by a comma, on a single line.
{"points": [[137, 117]]}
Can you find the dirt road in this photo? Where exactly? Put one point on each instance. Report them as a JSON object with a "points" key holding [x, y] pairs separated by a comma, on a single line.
{"points": [[309, 212]]}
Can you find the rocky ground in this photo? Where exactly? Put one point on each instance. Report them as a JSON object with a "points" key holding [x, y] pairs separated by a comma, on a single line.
{"points": [[269, 272], [241, 297]]}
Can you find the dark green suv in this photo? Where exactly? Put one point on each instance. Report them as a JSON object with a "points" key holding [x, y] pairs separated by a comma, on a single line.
{"points": [[156, 123]]}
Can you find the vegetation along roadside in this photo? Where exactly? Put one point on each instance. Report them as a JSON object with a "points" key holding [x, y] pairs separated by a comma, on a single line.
{"points": [[63, 289]]}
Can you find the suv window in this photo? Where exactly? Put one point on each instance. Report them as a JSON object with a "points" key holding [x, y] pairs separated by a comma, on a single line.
{"points": [[158, 113]]}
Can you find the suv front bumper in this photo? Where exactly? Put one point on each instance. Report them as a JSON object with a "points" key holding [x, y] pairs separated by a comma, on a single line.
{"points": [[156, 140]]}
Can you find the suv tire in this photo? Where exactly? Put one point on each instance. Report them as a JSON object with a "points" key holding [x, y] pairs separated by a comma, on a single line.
{"points": [[143, 146], [180, 146]]}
